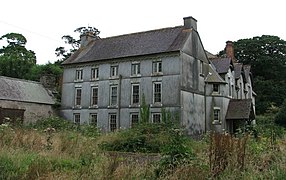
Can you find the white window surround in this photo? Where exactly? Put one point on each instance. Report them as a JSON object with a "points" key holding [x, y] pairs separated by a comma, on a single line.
{"points": [[114, 71], [157, 92], [79, 74], [113, 95], [94, 73], [134, 117], [157, 68], [135, 69], [112, 121], [94, 96], [78, 97], [76, 118], [93, 117], [135, 94], [216, 115]]}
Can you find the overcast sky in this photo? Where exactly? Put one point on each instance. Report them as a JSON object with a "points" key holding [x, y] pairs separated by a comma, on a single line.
{"points": [[43, 23]]}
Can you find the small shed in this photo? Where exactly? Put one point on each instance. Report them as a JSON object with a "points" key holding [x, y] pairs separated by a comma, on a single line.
{"points": [[27, 101]]}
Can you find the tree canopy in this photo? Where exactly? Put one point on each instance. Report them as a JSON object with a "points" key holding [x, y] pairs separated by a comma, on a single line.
{"points": [[267, 56], [74, 43], [15, 60]]}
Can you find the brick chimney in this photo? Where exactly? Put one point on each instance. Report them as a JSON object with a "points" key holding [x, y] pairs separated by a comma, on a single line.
{"points": [[86, 38], [190, 22], [229, 50]]}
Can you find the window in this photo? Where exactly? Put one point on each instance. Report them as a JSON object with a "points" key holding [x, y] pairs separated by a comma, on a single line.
{"points": [[134, 119], [157, 92], [94, 73], [94, 96], [113, 95], [135, 69], [216, 115], [201, 67], [157, 67], [79, 74], [76, 118], [77, 96], [114, 71], [156, 117], [229, 88], [135, 94], [112, 122], [216, 88], [93, 119]]}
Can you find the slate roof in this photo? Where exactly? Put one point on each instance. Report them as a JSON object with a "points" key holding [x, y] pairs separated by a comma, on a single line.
{"points": [[213, 76], [246, 69], [136, 44], [221, 64], [210, 55], [237, 70], [24, 91], [239, 109]]}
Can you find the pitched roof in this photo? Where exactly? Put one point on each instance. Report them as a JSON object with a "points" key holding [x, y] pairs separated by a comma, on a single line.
{"points": [[237, 70], [246, 69], [136, 44], [210, 55], [213, 76], [239, 109], [221, 64], [23, 90]]}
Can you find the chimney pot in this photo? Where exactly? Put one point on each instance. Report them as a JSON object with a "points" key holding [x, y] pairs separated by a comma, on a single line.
{"points": [[86, 38], [190, 22]]}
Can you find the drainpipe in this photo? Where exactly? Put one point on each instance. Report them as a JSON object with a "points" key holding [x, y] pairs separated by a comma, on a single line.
{"points": [[119, 100], [205, 97]]}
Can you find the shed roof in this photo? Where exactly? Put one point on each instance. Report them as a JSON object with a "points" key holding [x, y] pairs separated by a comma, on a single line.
{"points": [[221, 64], [23, 90], [135, 44], [239, 109]]}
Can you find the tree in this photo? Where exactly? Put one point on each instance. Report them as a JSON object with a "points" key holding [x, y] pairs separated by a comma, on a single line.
{"points": [[15, 60], [267, 57], [280, 117], [74, 43]]}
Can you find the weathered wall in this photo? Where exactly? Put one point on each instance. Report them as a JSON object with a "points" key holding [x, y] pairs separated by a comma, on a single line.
{"points": [[33, 111], [170, 79]]}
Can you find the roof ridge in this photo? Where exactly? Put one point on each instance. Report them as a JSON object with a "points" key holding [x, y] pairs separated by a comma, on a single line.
{"points": [[141, 32]]}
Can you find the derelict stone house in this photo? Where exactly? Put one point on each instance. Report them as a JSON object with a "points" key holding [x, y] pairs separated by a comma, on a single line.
{"points": [[104, 81], [27, 101]]}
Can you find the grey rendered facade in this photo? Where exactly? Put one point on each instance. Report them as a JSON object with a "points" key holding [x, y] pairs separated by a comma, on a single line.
{"points": [[104, 81]]}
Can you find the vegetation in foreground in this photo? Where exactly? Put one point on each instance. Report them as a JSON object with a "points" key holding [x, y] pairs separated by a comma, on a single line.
{"points": [[55, 149]]}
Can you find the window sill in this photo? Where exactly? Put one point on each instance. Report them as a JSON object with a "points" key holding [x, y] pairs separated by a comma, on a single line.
{"points": [[112, 106], [135, 75], [216, 123], [134, 106], [96, 79], [93, 107], [76, 107], [157, 74], [78, 81], [114, 77], [156, 105]]}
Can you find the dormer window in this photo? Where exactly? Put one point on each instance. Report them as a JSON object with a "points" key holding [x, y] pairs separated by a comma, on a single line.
{"points": [[216, 88]]}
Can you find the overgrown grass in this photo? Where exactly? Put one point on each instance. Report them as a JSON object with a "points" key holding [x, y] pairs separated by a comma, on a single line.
{"points": [[155, 151]]}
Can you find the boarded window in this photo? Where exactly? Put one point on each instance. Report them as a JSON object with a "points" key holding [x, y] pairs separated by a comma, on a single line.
{"points": [[11, 115]]}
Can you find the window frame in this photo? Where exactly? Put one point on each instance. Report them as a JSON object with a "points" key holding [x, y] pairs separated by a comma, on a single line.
{"points": [[91, 119], [157, 67], [78, 96], [156, 114], [114, 70], [134, 96], [94, 97], [216, 115], [76, 116], [132, 123], [216, 88], [78, 74], [94, 73], [155, 94], [135, 69], [112, 122], [113, 96]]}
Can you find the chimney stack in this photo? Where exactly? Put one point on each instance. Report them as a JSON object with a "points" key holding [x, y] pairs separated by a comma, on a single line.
{"points": [[229, 50], [86, 38], [190, 22]]}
